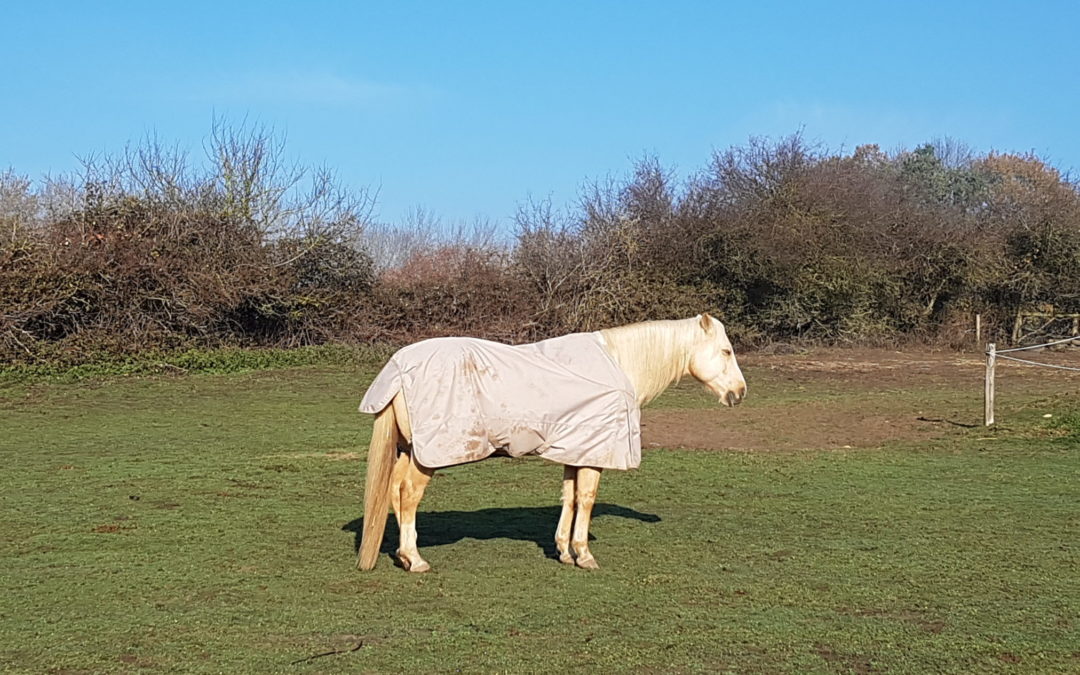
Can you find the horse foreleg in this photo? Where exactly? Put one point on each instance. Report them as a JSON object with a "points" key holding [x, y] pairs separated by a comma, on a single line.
{"points": [[410, 479], [566, 518], [588, 480]]}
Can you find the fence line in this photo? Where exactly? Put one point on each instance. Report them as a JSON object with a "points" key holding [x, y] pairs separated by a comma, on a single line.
{"points": [[1037, 363], [993, 354], [1048, 344]]}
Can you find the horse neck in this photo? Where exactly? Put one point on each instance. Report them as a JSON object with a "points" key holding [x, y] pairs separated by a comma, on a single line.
{"points": [[654, 355]]}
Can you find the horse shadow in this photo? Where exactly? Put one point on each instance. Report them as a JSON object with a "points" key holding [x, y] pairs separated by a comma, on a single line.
{"points": [[535, 524]]}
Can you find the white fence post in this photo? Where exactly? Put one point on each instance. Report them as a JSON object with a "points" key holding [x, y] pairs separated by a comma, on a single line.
{"points": [[988, 390]]}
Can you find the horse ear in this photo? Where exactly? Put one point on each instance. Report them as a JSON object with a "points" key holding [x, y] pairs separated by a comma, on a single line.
{"points": [[706, 323]]}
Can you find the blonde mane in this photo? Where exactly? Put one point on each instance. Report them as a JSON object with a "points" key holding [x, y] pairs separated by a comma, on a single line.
{"points": [[653, 354]]}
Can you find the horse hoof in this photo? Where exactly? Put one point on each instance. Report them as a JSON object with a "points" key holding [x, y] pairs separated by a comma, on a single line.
{"points": [[410, 566], [588, 563], [566, 559]]}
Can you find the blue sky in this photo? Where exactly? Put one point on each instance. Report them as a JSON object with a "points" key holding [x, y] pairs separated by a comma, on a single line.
{"points": [[468, 108]]}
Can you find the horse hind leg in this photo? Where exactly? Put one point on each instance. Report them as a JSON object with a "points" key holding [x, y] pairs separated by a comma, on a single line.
{"points": [[410, 480], [566, 518], [588, 481]]}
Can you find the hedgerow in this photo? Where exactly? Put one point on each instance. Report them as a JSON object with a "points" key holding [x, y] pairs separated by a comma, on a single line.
{"points": [[152, 252]]}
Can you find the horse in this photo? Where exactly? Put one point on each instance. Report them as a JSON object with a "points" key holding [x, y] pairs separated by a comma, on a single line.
{"points": [[645, 359]]}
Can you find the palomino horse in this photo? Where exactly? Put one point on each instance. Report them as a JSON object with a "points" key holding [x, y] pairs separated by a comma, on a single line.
{"points": [[641, 360]]}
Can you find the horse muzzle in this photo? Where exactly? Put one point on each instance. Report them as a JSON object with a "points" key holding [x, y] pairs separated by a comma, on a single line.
{"points": [[734, 398]]}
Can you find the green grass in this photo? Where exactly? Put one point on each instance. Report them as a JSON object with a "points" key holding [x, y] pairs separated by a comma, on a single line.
{"points": [[192, 361], [208, 524]]}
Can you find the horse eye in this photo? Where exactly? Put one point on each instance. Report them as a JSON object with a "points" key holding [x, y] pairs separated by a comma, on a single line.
{"points": [[727, 352]]}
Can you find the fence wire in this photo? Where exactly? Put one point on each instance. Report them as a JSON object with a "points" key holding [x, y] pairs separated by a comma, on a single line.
{"points": [[1048, 344], [999, 354], [1037, 363]]}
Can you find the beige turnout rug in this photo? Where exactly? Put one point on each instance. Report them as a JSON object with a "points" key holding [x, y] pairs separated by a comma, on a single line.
{"points": [[563, 399]]}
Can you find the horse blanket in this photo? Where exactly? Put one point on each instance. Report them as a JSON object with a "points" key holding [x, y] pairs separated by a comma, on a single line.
{"points": [[564, 399]]}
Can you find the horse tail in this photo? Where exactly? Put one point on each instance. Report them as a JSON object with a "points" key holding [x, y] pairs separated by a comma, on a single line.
{"points": [[380, 465]]}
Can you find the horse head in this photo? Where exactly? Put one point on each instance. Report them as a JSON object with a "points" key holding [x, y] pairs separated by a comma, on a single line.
{"points": [[712, 362]]}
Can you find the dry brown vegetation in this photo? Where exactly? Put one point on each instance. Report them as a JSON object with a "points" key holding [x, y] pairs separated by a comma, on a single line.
{"points": [[780, 238]]}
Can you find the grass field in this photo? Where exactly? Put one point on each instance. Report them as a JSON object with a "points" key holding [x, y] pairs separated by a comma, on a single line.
{"points": [[208, 524]]}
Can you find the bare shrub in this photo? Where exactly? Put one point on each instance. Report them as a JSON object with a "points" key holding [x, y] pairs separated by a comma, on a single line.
{"points": [[550, 259], [831, 247], [1032, 219], [392, 245], [453, 290], [786, 240], [625, 257], [143, 250]]}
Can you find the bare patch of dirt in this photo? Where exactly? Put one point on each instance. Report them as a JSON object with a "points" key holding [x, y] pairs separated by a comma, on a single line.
{"points": [[852, 398], [808, 426]]}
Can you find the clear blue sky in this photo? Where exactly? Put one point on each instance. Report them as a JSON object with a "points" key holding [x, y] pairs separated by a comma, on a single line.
{"points": [[467, 108]]}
